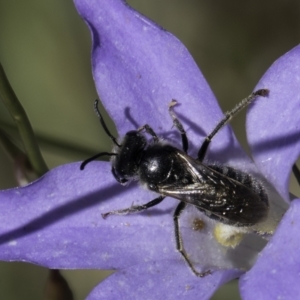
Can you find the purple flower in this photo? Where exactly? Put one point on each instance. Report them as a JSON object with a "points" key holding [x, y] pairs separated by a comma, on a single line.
{"points": [[138, 68]]}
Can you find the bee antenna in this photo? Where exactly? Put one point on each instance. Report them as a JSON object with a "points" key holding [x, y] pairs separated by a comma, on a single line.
{"points": [[84, 163], [103, 123]]}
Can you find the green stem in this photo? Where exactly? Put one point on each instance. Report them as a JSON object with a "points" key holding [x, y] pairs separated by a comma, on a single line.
{"points": [[55, 143], [24, 127], [9, 147]]}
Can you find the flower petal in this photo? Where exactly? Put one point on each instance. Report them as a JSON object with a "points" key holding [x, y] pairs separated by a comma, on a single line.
{"points": [[276, 272], [273, 123], [147, 281], [56, 221], [139, 68]]}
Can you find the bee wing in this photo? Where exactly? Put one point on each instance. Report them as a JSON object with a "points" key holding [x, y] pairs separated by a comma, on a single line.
{"points": [[220, 197]]}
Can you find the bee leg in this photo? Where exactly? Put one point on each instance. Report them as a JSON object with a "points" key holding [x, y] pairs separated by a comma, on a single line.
{"points": [[179, 126], [150, 131], [179, 243], [227, 118], [134, 208]]}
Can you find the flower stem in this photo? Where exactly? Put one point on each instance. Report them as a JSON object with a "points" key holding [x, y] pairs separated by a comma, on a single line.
{"points": [[9, 147], [18, 114], [55, 143]]}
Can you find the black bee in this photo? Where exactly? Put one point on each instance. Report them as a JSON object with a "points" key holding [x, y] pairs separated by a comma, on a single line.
{"points": [[223, 193]]}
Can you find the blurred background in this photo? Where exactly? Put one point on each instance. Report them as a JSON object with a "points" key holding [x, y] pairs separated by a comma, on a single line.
{"points": [[45, 51]]}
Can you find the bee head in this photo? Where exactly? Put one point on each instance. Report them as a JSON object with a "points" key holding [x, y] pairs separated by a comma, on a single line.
{"points": [[126, 162]]}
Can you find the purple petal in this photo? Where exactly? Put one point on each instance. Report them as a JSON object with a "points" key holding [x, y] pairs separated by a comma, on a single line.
{"points": [[147, 281], [273, 123], [139, 68], [56, 222], [276, 272]]}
